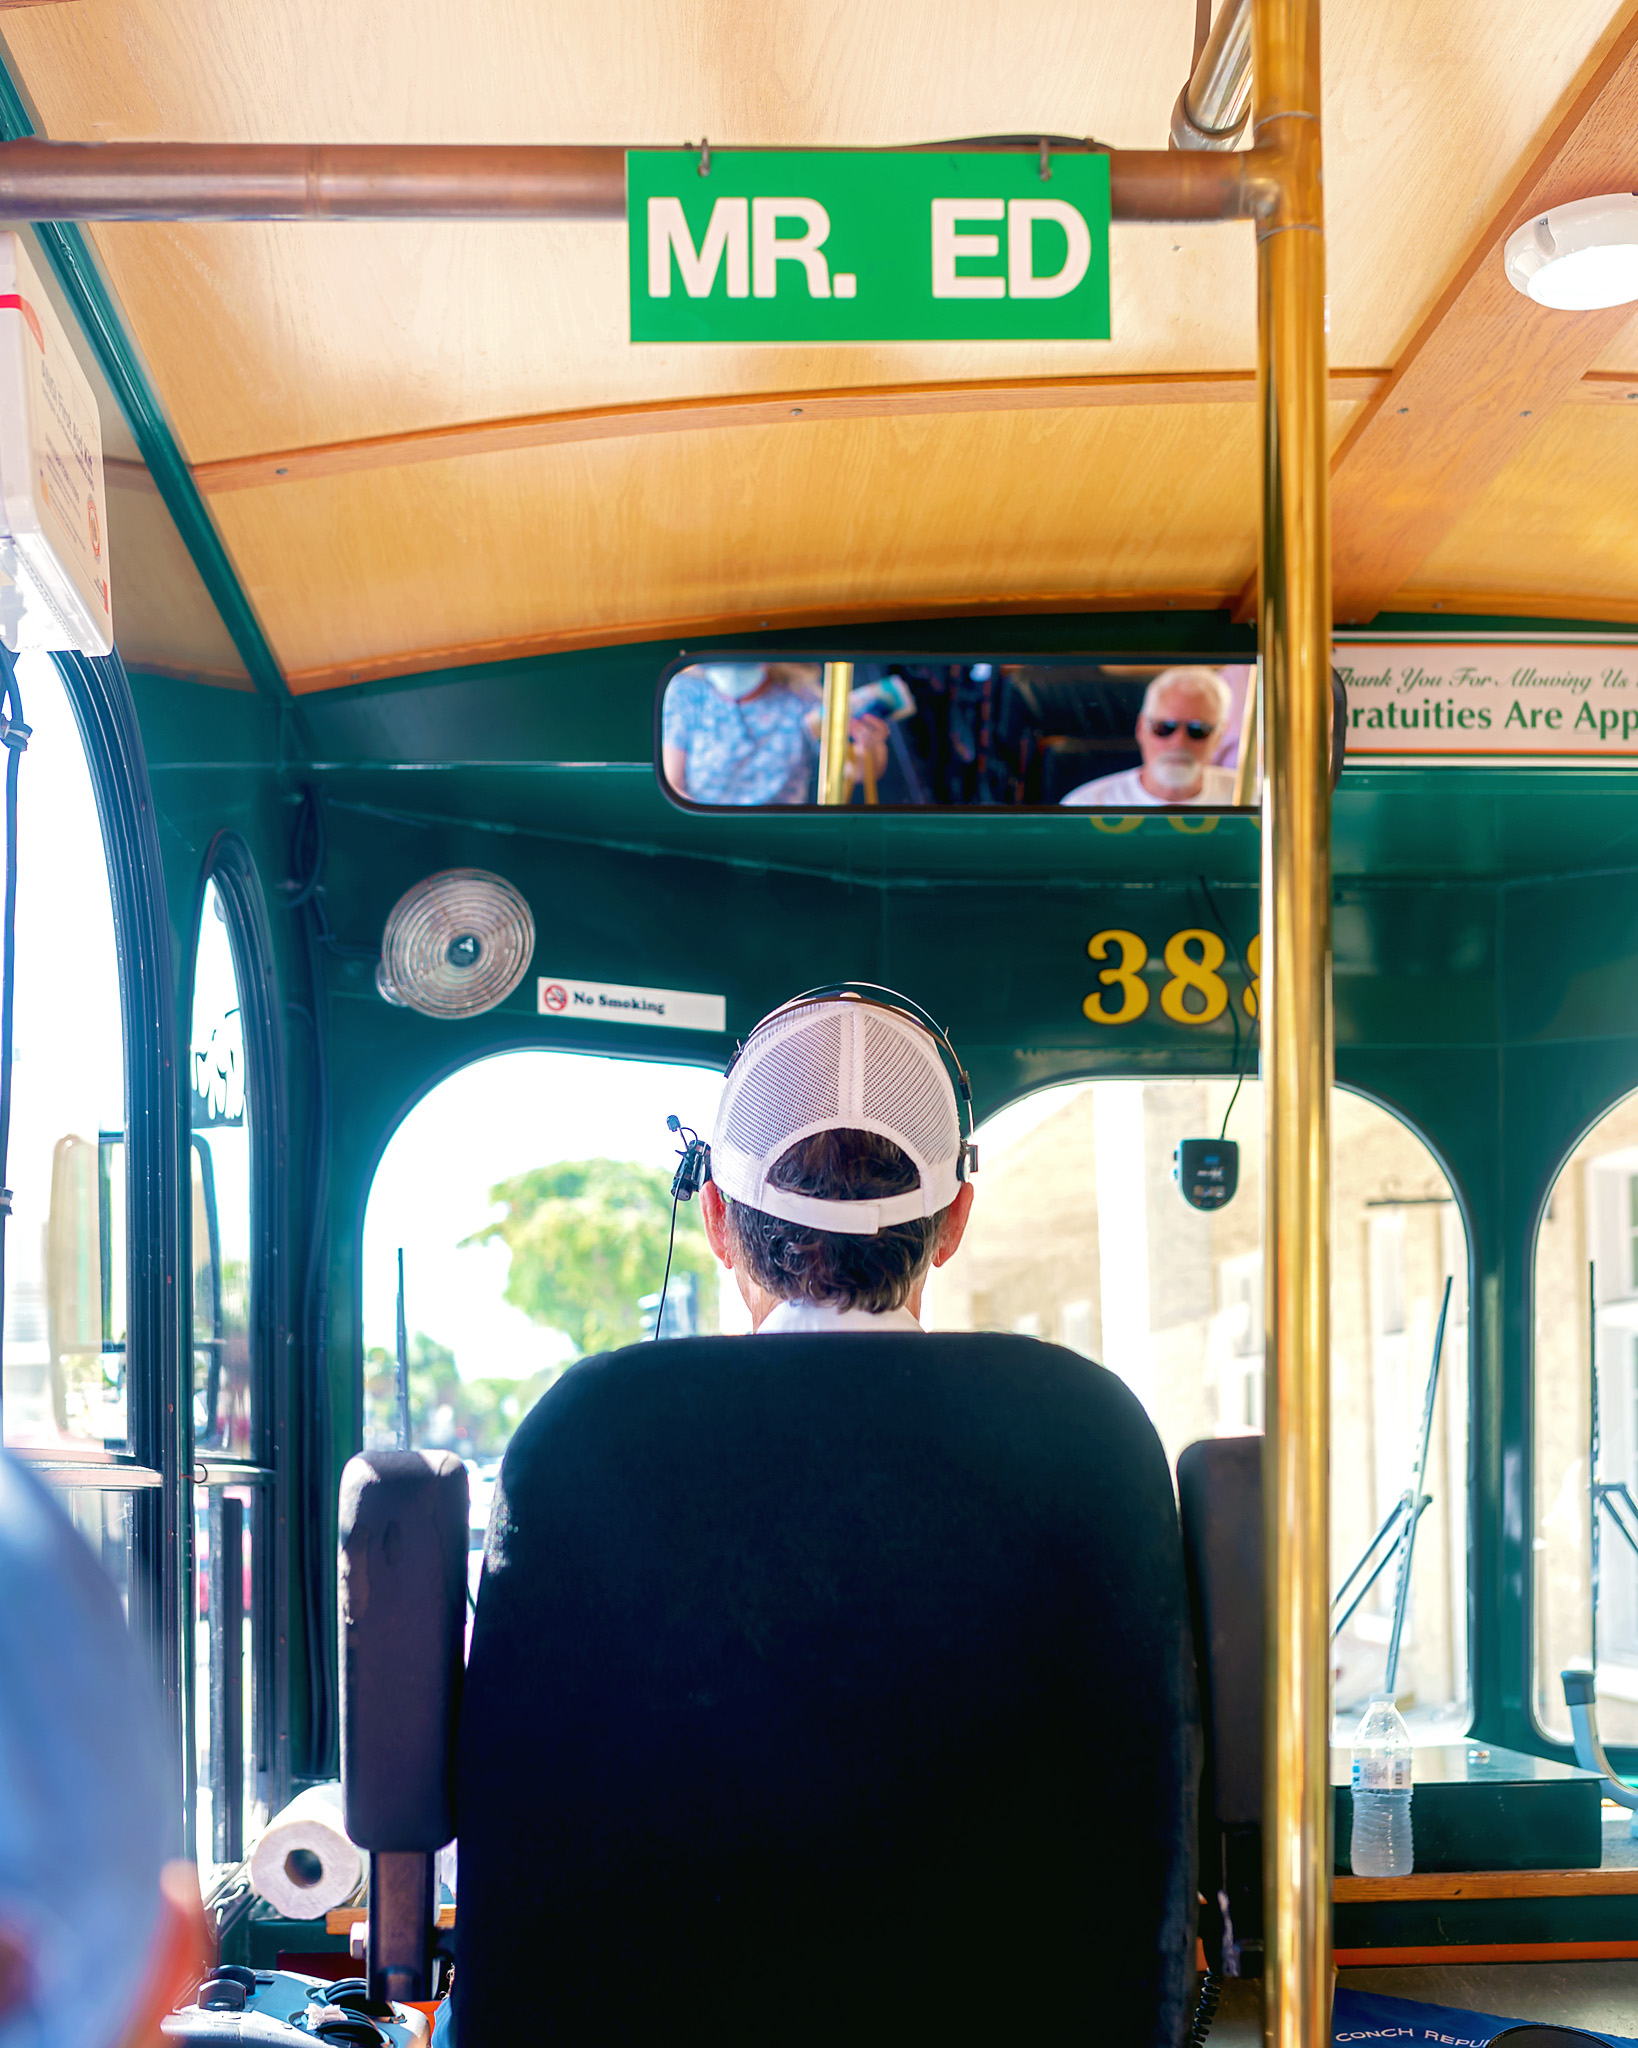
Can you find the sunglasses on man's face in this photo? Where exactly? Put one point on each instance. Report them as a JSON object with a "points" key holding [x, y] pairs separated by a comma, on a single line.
{"points": [[1196, 728]]}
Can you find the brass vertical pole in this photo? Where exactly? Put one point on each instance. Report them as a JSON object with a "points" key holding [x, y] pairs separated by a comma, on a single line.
{"points": [[833, 722], [1295, 639], [1246, 789]]}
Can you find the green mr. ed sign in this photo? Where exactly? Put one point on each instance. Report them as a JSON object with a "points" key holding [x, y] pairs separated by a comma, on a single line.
{"points": [[867, 245]]}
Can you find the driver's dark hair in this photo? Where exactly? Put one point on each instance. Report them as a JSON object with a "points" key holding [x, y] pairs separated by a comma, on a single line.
{"points": [[794, 1262]]}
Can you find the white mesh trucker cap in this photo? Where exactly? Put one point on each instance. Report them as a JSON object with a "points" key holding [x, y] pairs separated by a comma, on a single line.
{"points": [[838, 1063]]}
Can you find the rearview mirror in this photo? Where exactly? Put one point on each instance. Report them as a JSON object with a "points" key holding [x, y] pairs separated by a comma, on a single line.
{"points": [[1035, 734]]}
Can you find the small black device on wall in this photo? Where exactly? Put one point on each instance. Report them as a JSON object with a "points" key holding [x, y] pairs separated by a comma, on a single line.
{"points": [[1207, 1171]]}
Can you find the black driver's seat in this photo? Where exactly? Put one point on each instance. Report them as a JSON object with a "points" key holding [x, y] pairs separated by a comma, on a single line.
{"points": [[829, 1688]]}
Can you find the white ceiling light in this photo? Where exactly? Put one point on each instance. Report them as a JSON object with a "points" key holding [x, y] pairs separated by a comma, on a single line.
{"points": [[1579, 256]]}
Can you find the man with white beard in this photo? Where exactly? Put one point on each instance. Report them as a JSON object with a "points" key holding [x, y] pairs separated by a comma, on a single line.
{"points": [[1179, 729]]}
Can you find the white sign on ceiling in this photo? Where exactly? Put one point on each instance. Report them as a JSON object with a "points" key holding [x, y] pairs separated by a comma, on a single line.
{"points": [[53, 508], [1485, 702], [609, 1002]]}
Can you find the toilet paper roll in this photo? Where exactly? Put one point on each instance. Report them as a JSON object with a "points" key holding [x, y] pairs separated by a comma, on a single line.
{"points": [[305, 1865]]}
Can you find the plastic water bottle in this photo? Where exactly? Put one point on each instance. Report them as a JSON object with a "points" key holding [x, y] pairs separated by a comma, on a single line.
{"points": [[1381, 1845]]}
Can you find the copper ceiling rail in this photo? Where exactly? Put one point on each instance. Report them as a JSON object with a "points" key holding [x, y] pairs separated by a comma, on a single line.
{"points": [[105, 181], [98, 181]]}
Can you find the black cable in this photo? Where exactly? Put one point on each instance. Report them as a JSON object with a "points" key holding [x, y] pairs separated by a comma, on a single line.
{"points": [[1211, 1994], [1226, 936], [308, 847], [14, 734], [1239, 1083], [309, 850], [1240, 1067], [693, 1170], [659, 1313]]}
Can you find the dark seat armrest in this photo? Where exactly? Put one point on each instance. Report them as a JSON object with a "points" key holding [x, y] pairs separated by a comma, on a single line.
{"points": [[402, 1606]]}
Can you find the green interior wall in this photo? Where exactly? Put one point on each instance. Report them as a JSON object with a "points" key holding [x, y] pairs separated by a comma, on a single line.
{"points": [[212, 762], [1486, 946]]}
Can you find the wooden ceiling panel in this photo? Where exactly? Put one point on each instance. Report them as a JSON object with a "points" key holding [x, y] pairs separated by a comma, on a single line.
{"points": [[1620, 359], [1428, 110], [1561, 522], [389, 571], [655, 71], [272, 337], [295, 335], [277, 337], [162, 613], [1486, 370]]}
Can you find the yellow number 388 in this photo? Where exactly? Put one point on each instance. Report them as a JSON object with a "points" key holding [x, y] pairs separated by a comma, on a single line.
{"points": [[1196, 992]]}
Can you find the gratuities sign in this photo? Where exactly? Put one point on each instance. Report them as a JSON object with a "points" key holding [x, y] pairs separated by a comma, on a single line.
{"points": [[1560, 702], [867, 245]]}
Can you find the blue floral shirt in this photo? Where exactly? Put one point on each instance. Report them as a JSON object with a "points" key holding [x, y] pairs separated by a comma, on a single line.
{"points": [[756, 751]]}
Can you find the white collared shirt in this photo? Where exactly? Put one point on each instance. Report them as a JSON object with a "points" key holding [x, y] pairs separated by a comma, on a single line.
{"points": [[813, 1318], [1127, 791]]}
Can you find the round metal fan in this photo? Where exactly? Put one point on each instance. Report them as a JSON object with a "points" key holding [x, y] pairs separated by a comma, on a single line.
{"points": [[456, 944]]}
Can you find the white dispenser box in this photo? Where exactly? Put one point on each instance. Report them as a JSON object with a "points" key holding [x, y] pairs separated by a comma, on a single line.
{"points": [[54, 543]]}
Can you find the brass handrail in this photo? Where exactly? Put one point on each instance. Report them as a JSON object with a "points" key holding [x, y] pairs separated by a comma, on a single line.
{"points": [[1248, 760], [1294, 636], [833, 723]]}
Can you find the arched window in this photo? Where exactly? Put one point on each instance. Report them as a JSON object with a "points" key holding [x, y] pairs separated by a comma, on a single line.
{"points": [[66, 1386], [225, 1420], [1586, 1441], [1080, 1235], [529, 1196], [65, 1389], [235, 1206]]}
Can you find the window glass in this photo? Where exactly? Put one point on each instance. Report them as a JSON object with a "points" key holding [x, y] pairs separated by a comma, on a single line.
{"points": [[103, 1518], [530, 1197], [229, 1711], [232, 1803], [223, 1384], [1079, 1234], [1632, 1232], [1586, 1451], [65, 1377]]}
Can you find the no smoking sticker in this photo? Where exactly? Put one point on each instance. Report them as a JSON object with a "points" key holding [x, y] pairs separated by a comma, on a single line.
{"points": [[611, 1002]]}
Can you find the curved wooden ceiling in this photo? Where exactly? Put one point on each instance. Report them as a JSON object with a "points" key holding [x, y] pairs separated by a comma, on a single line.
{"points": [[528, 479]]}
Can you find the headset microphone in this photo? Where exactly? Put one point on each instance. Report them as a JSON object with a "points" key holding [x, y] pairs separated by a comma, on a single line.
{"points": [[694, 1162], [693, 1171]]}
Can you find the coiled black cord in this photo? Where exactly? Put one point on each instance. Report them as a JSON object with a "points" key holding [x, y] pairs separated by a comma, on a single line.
{"points": [[1211, 1994]]}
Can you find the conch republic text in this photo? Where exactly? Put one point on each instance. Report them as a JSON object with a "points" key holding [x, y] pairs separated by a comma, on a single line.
{"points": [[1563, 702]]}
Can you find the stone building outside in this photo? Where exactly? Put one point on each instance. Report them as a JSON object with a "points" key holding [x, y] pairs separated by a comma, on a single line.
{"points": [[1586, 1271], [1079, 1235]]}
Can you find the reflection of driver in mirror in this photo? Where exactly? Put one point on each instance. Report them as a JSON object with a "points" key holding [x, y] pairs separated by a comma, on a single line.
{"points": [[747, 732], [1181, 725]]}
